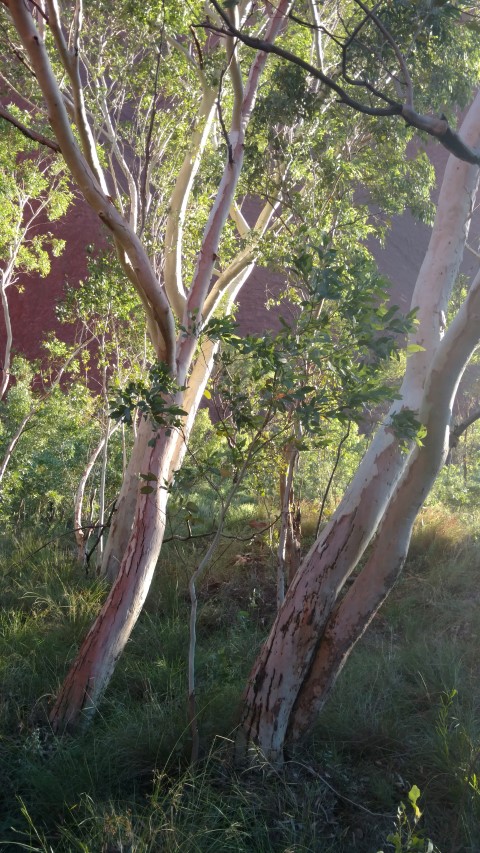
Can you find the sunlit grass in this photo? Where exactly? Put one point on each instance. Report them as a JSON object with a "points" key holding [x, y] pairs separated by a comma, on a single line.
{"points": [[405, 711]]}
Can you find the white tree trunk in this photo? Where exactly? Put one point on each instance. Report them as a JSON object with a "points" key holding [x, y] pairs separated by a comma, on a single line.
{"points": [[8, 341], [362, 600], [81, 537], [286, 657], [122, 520]]}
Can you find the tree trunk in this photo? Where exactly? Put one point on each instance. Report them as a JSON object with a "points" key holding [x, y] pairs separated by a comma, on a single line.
{"points": [[289, 539], [368, 592], [124, 514], [286, 657], [95, 662], [122, 521], [9, 338], [310, 643], [103, 484], [82, 536]]}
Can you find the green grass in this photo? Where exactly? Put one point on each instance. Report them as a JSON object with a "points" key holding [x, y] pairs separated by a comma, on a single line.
{"points": [[405, 711]]}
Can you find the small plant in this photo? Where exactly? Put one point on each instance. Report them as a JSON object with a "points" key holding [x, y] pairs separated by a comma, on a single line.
{"points": [[407, 838]]}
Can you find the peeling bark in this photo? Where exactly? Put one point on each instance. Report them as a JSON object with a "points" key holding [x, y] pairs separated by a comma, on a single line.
{"points": [[368, 592], [94, 665], [287, 656]]}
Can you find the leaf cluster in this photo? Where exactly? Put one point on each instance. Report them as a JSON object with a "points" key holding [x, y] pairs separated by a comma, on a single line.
{"points": [[152, 397]]}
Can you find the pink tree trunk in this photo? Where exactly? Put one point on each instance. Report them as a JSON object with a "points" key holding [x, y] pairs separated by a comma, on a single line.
{"points": [[106, 639]]}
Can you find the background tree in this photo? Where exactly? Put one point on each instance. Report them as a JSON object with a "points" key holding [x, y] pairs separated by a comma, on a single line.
{"points": [[34, 190]]}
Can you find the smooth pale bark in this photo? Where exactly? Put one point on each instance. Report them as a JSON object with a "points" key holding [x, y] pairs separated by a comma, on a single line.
{"points": [[288, 551], [179, 201], [8, 340], [370, 589], [81, 536], [286, 657], [94, 665], [123, 518]]}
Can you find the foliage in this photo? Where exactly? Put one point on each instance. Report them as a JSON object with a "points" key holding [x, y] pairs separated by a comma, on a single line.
{"points": [[407, 838], [41, 480], [104, 307], [31, 184], [151, 397]]}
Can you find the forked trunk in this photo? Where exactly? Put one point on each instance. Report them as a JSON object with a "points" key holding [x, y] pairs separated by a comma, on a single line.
{"points": [[286, 658], [361, 602], [95, 662]]}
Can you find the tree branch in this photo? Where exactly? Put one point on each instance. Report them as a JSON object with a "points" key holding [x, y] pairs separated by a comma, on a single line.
{"points": [[177, 207], [86, 180], [71, 64], [436, 127], [34, 135], [462, 427]]}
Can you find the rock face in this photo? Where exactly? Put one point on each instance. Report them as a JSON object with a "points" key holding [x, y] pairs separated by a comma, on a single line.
{"points": [[401, 257], [33, 309]]}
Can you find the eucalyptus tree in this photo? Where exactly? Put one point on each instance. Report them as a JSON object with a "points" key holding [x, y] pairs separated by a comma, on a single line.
{"points": [[323, 617], [113, 134], [164, 155]]}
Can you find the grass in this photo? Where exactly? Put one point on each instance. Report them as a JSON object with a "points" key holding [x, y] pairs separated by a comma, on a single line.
{"points": [[405, 711]]}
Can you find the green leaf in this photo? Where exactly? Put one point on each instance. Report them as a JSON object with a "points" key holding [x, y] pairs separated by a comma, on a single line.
{"points": [[413, 796], [146, 490]]}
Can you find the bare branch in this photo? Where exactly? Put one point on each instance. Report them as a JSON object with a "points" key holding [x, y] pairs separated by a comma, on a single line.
{"points": [[98, 200], [462, 427], [34, 135], [71, 63]]}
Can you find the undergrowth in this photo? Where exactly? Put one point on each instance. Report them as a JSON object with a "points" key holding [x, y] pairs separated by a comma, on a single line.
{"points": [[405, 713]]}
